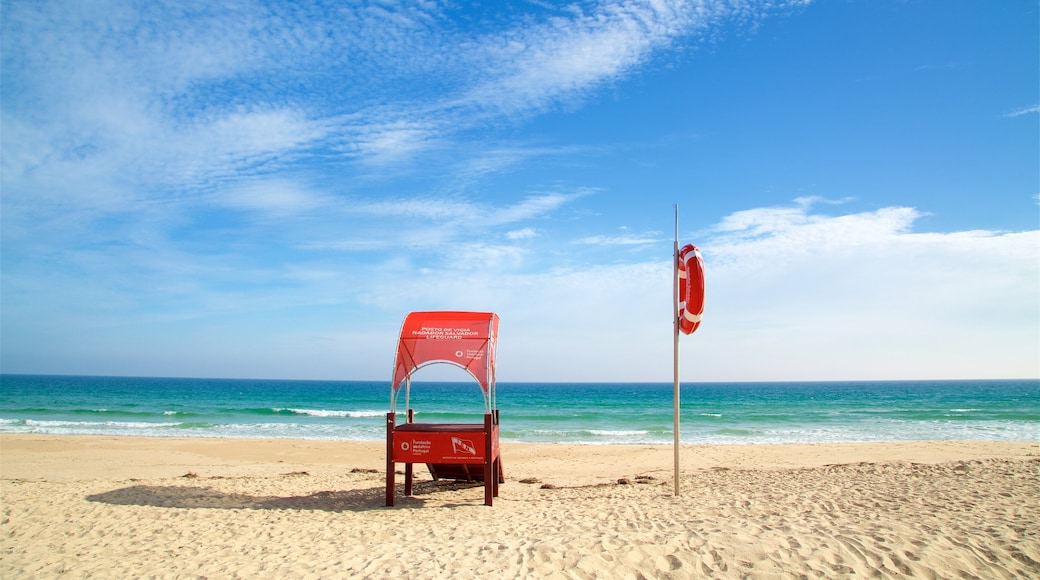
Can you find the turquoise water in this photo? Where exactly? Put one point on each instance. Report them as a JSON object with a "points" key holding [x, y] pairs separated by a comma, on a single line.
{"points": [[591, 413]]}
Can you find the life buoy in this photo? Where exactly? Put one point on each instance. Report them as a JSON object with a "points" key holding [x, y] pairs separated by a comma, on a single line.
{"points": [[691, 288]]}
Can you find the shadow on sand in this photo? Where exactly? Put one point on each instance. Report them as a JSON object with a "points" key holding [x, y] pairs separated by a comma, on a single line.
{"points": [[202, 497]]}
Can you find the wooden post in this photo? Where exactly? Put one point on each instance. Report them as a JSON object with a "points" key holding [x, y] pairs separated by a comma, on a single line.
{"points": [[490, 473], [390, 423]]}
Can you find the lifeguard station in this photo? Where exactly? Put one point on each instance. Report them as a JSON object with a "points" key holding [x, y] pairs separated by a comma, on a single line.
{"points": [[450, 450]]}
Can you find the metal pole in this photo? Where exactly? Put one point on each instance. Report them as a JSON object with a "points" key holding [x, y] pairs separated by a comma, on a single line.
{"points": [[675, 347]]}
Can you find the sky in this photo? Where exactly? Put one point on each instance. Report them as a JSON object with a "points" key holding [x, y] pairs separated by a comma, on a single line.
{"points": [[265, 190]]}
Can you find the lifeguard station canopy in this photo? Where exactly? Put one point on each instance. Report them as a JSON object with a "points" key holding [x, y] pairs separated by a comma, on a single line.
{"points": [[464, 339]]}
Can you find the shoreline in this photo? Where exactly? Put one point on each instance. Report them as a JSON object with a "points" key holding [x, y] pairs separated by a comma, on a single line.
{"points": [[60, 457], [117, 507]]}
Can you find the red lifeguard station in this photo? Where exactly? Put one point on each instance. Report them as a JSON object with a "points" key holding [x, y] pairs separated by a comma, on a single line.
{"points": [[450, 450]]}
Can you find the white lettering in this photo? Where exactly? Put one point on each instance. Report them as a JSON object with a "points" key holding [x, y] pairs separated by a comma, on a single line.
{"points": [[421, 447]]}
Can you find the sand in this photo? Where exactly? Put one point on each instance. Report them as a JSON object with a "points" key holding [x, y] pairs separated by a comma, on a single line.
{"points": [[216, 508]]}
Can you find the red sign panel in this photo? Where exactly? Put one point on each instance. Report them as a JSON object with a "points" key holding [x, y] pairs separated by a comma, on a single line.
{"points": [[457, 447]]}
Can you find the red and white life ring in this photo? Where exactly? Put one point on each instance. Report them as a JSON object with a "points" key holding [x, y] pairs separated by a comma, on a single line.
{"points": [[691, 288]]}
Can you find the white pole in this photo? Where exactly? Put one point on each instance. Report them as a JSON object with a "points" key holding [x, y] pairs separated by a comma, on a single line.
{"points": [[675, 347], [407, 393]]}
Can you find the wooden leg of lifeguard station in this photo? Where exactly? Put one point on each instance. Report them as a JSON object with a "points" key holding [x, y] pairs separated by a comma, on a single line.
{"points": [[390, 421], [391, 466], [490, 462]]}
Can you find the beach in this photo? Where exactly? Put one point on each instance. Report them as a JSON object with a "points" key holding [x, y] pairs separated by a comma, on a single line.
{"points": [[118, 507]]}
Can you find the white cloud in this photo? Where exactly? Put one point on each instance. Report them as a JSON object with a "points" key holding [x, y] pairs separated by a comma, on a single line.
{"points": [[625, 240], [461, 213], [808, 297], [277, 197], [125, 100], [529, 207], [1024, 111], [394, 142], [791, 295], [485, 161], [529, 68], [771, 237], [797, 295], [439, 209], [810, 200], [522, 234]]}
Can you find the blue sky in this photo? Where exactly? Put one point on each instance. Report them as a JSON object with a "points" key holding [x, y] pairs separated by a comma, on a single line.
{"points": [[240, 189]]}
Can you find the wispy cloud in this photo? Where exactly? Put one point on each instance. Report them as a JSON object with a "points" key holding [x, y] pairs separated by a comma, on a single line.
{"points": [[274, 198], [522, 234], [186, 97], [530, 68], [1024, 111], [785, 285], [622, 240], [213, 167], [530, 207], [116, 108]]}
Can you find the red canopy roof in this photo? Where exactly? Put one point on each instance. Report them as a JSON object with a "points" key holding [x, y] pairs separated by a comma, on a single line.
{"points": [[464, 339]]}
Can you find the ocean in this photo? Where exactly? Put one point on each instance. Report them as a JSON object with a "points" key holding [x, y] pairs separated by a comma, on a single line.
{"points": [[584, 413]]}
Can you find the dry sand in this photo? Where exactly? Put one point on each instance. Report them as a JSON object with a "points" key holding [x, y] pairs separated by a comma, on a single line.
{"points": [[217, 508]]}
